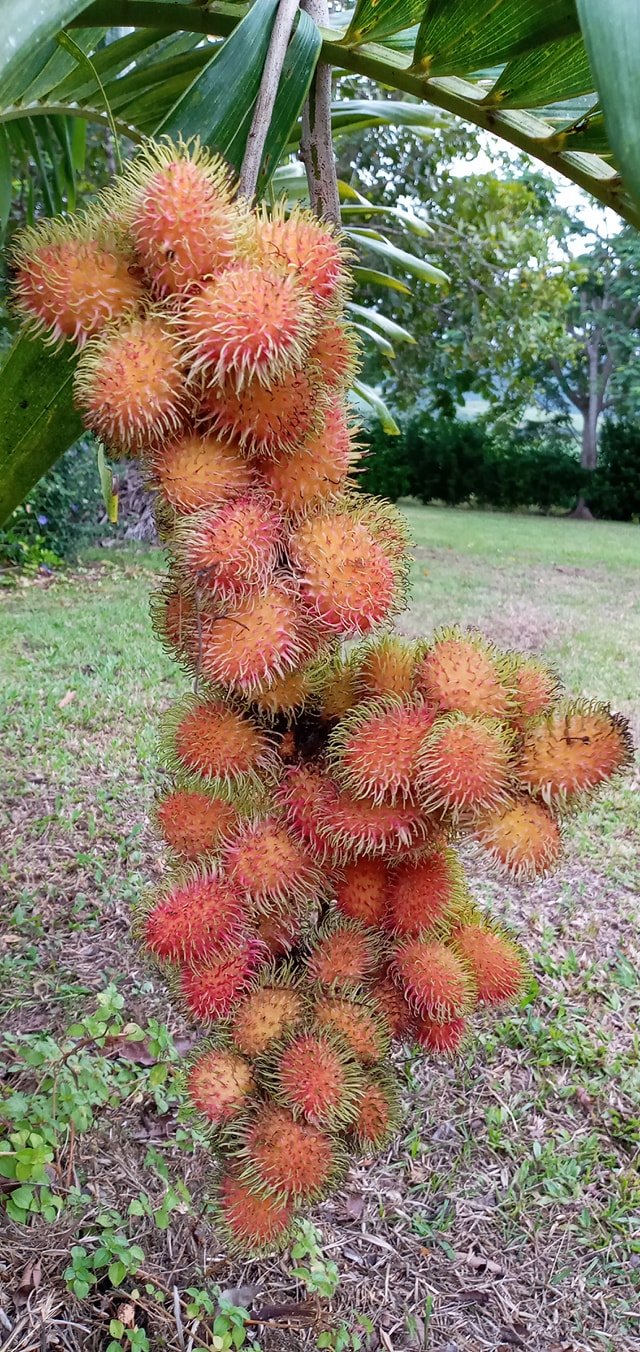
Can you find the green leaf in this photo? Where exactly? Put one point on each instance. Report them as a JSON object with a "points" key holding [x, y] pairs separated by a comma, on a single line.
{"points": [[372, 19], [5, 180], [388, 326], [38, 421], [27, 39], [549, 74], [464, 37], [417, 267], [369, 277], [378, 339], [376, 402], [117, 1272], [22, 1198], [297, 73], [612, 36]]}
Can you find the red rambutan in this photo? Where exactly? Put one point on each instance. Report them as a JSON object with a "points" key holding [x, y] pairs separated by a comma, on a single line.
{"points": [[573, 750], [336, 684], [346, 575], [129, 384], [253, 1222], [498, 965], [316, 473], [266, 421], [231, 550], [194, 823], [437, 1037], [194, 919], [423, 893], [464, 672], [255, 642], [522, 839], [280, 931], [361, 891], [303, 794], [285, 696], [218, 1083], [173, 616], [288, 1157], [211, 739], [314, 1076], [436, 981], [265, 1016], [342, 956], [375, 748], [194, 472], [361, 1025], [212, 987], [336, 352], [386, 996], [465, 765], [308, 248], [352, 827], [269, 863], [378, 1114]]}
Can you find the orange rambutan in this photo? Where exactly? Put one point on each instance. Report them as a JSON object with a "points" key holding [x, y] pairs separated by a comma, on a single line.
{"points": [[387, 665], [342, 955], [285, 1156], [446, 1037], [219, 1083], [129, 384], [423, 893], [213, 740], [249, 323], [177, 201], [271, 865], [522, 839], [361, 891], [387, 997], [464, 672], [212, 987], [536, 688], [309, 249], [435, 980], [71, 279], [336, 352], [346, 575], [573, 750], [266, 1015], [465, 765], [378, 1115], [375, 749], [280, 931], [194, 918], [253, 1222], [313, 1075], [197, 472], [316, 473], [230, 550], [194, 823], [256, 641], [266, 421], [358, 1022], [497, 963], [352, 827]]}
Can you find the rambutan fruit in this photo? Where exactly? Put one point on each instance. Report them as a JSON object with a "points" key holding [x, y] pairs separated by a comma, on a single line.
{"points": [[336, 684], [379, 1113], [177, 202], [256, 641], [211, 739], [375, 749], [271, 865], [342, 956], [253, 1223], [173, 617], [573, 750], [197, 472], [313, 1074], [522, 839], [447, 1037], [436, 981], [194, 918], [361, 891], [304, 794], [266, 1015], [423, 893], [352, 827], [465, 765], [359, 1022], [387, 997], [316, 473], [464, 672], [336, 352], [129, 384], [212, 987], [286, 696], [536, 688], [497, 963], [287, 1157], [267, 421], [346, 575], [279, 931], [230, 550], [71, 280], [219, 1082], [309, 249], [387, 665], [249, 323], [195, 823]]}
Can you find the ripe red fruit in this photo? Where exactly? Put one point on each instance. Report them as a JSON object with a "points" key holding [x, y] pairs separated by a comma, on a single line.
{"points": [[335, 352], [389, 999], [267, 861], [265, 1016], [522, 839], [315, 473], [376, 747], [195, 472], [435, 980], [266, 421], [353, 827], [280, 931], [346, 575], [70, 284], [249, 323], [387, 666], [256, 641], [315, 1077], [536, 688], [289, 1158], [343, 956], [212, 739], [218, 1083], [194, 919], [496, 962], [465, 766], [194, 823], [231, 550], [361, 891], [173, 618], [358, 1022], [440, 1037], [306, 247], [129, 385], [464, 672], [573, 750], [378, 1112], [211, 987], [304, 794], [254, 1222], [423, 893]]}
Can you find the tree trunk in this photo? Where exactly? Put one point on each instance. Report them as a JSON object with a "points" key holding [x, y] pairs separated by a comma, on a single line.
{"points": [[591, 415]]}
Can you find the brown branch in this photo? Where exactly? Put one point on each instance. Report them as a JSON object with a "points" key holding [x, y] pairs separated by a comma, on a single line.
{"points": [[316, 144], [263, 111]]}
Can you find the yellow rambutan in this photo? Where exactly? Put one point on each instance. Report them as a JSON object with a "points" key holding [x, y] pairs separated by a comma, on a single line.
{"points": [[253, 1222], [378, 1115], [194, 823], [211, 987], [285, 1156], [342, 955], [285, 697], [309, 249], [196, 472], [195, 918], [266, 421], [386, 996], [249, 323], [437, 1037], [229, 550], [434, 978], [317, 472], [361, 891], [336, 352], [464, 672], [346, 575], [497, 963], [72, 279], [213, 740], [254, 642], [387, 665], [271, 865], [536, 688], [266, 1015], [423, 893], [313, 1074], [129, 384], [177, 202], [573, 750], [359, 1022], [522, 839], [375, 749], [219, 1083], [465, 765], [336, 683]]}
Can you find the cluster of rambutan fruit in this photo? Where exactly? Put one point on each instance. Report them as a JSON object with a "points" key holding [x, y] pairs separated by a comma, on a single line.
{"points": [[316, 911]]}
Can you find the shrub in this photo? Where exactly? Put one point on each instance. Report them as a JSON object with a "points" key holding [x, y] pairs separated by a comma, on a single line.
{"points": [[59, 513], [614, 490]]}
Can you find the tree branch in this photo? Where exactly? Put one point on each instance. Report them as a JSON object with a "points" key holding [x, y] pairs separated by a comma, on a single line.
{"points": [[262, 113], [316, 144]]}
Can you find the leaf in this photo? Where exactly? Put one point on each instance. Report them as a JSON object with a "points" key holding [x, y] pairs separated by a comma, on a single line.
{"points": [[297, 73], [369, 277], [379, 341], [5, 180], [374, 20], [466, 37], [27, 40], [418, 267], [549, 74], [38, 421], [108, 486], [376, 402], [388, 326], [612, 36]]}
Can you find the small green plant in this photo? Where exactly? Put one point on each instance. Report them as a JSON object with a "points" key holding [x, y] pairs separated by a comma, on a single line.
{"points": [[319, 1275], [228, 1322], [106, 1251]]}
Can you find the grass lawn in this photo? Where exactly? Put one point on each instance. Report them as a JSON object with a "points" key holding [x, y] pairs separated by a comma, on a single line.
{"points": [[508, 1214]]}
